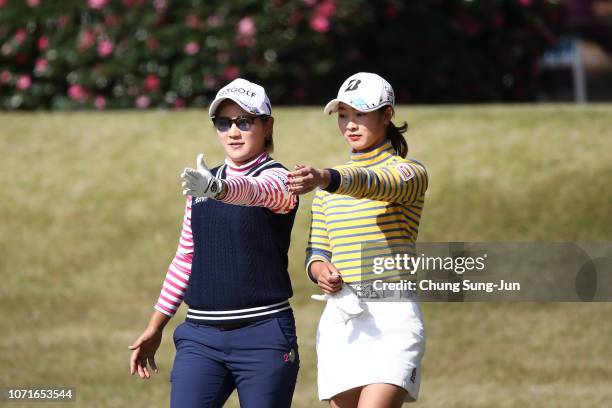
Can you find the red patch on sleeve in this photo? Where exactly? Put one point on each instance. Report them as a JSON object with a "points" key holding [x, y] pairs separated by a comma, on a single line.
{"points": [[405, 171]]}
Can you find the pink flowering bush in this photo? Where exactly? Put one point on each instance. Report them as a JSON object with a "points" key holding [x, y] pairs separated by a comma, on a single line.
{"points": [[141, 54]]}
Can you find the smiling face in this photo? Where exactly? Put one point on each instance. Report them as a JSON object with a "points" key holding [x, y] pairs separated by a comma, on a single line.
{"points": [[242, 145], [363, 130]]}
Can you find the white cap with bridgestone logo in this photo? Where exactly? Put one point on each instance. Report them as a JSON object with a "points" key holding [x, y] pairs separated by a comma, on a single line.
{"points": [[248, 95], [363, 91]]}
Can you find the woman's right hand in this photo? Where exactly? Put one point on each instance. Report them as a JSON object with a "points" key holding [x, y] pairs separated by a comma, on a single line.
{"points": [[328, 277], [143, 351], [304, 179]]}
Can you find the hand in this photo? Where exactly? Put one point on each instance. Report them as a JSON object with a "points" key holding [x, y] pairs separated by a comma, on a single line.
{"points": [[304, 179], [201, 182], [328, 277], [143, 351]]}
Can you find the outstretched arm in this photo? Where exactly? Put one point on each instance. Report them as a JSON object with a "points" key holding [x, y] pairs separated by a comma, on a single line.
{"points": [[269, 189], [401, 182]]}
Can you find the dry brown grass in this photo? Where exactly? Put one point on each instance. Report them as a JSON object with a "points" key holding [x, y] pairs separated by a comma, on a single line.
{"points": [[90, 214]]}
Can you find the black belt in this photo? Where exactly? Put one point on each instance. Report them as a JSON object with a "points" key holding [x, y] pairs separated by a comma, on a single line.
{"points": [[230, 326]]}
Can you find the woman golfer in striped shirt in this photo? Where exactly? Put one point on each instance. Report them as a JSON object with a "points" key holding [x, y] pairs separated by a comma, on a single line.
{"points": [[368, 208], [231, 270]]}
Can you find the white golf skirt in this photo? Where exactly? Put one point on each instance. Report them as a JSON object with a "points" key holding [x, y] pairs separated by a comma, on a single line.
{"points": [[385, 344]]}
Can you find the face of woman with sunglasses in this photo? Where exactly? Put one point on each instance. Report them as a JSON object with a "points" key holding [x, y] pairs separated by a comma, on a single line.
{"points": [[243, 136]]}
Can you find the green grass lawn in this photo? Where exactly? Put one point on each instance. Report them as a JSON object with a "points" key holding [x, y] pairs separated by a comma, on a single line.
{"points": [[90, 213]]}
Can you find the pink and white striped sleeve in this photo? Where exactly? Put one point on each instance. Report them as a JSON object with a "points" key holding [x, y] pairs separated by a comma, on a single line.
{"points": [[177, 277], [269, 190]]}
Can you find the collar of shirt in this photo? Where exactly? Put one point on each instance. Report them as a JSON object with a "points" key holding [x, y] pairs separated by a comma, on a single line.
{"points": [[235, 170], [374, 155]]}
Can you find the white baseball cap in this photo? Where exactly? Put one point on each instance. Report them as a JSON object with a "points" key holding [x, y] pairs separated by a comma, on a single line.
{"points": [[248, 95], [363, 91]]}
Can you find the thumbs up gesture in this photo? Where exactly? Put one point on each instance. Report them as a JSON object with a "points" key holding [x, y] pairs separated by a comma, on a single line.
{"points": [[200, 182]]}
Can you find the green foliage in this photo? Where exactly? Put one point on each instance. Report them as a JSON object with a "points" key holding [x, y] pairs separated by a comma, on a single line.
{"points": [[170, 53]]}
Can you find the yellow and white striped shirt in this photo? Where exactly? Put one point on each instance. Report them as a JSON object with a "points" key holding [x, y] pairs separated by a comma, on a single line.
{"points": [[375, 211]]}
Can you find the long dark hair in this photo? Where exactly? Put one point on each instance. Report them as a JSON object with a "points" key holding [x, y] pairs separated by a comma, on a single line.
{"points": [[396, 134]]}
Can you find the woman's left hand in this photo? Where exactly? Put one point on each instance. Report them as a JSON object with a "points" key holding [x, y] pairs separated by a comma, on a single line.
{"points": [[143, 352], [304, 179]]}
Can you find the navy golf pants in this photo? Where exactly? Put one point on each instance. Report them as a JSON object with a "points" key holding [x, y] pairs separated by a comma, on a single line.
{"points": [[260, 360]]}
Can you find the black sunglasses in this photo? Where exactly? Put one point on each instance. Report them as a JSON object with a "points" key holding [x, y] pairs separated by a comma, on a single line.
{"points": [[244, 123]]}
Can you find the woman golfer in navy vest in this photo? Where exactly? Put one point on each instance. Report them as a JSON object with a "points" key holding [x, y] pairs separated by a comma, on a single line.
{"points": [[231, 270]]}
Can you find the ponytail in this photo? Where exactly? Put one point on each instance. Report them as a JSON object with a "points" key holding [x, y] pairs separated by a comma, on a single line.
{"points": [[396, 135]]}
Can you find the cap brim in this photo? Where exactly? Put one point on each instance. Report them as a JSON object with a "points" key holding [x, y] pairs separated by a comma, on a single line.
{"points": [[334, 104], [213, 106]]}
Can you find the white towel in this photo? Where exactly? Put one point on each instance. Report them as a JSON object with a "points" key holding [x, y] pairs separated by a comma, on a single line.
{"points": [[346, 300]]}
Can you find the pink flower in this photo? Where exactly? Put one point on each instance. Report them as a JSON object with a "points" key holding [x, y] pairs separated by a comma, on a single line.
{"points": [[245, 41], [246, 26], [3, 3], [33, 3], [159, 4], [326, 9], [86, 41], [62, 21], [246, 30], [105, 48], [20, 35], [24, 82], [97, 4], [231, 72], [209, 82], [112, 21], [43, 43], [143, 102], [310, 3], [179, 103], [193, 21], [151, 82], [100, 102], [41, 65], [5, 76], [526, 3], [214, 21], [152, 44], [320, 24], [192, 48], [77, 92]]}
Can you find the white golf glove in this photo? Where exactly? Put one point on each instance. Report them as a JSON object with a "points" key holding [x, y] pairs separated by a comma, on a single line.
{"points": [[200, 182], [346, 300]]}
